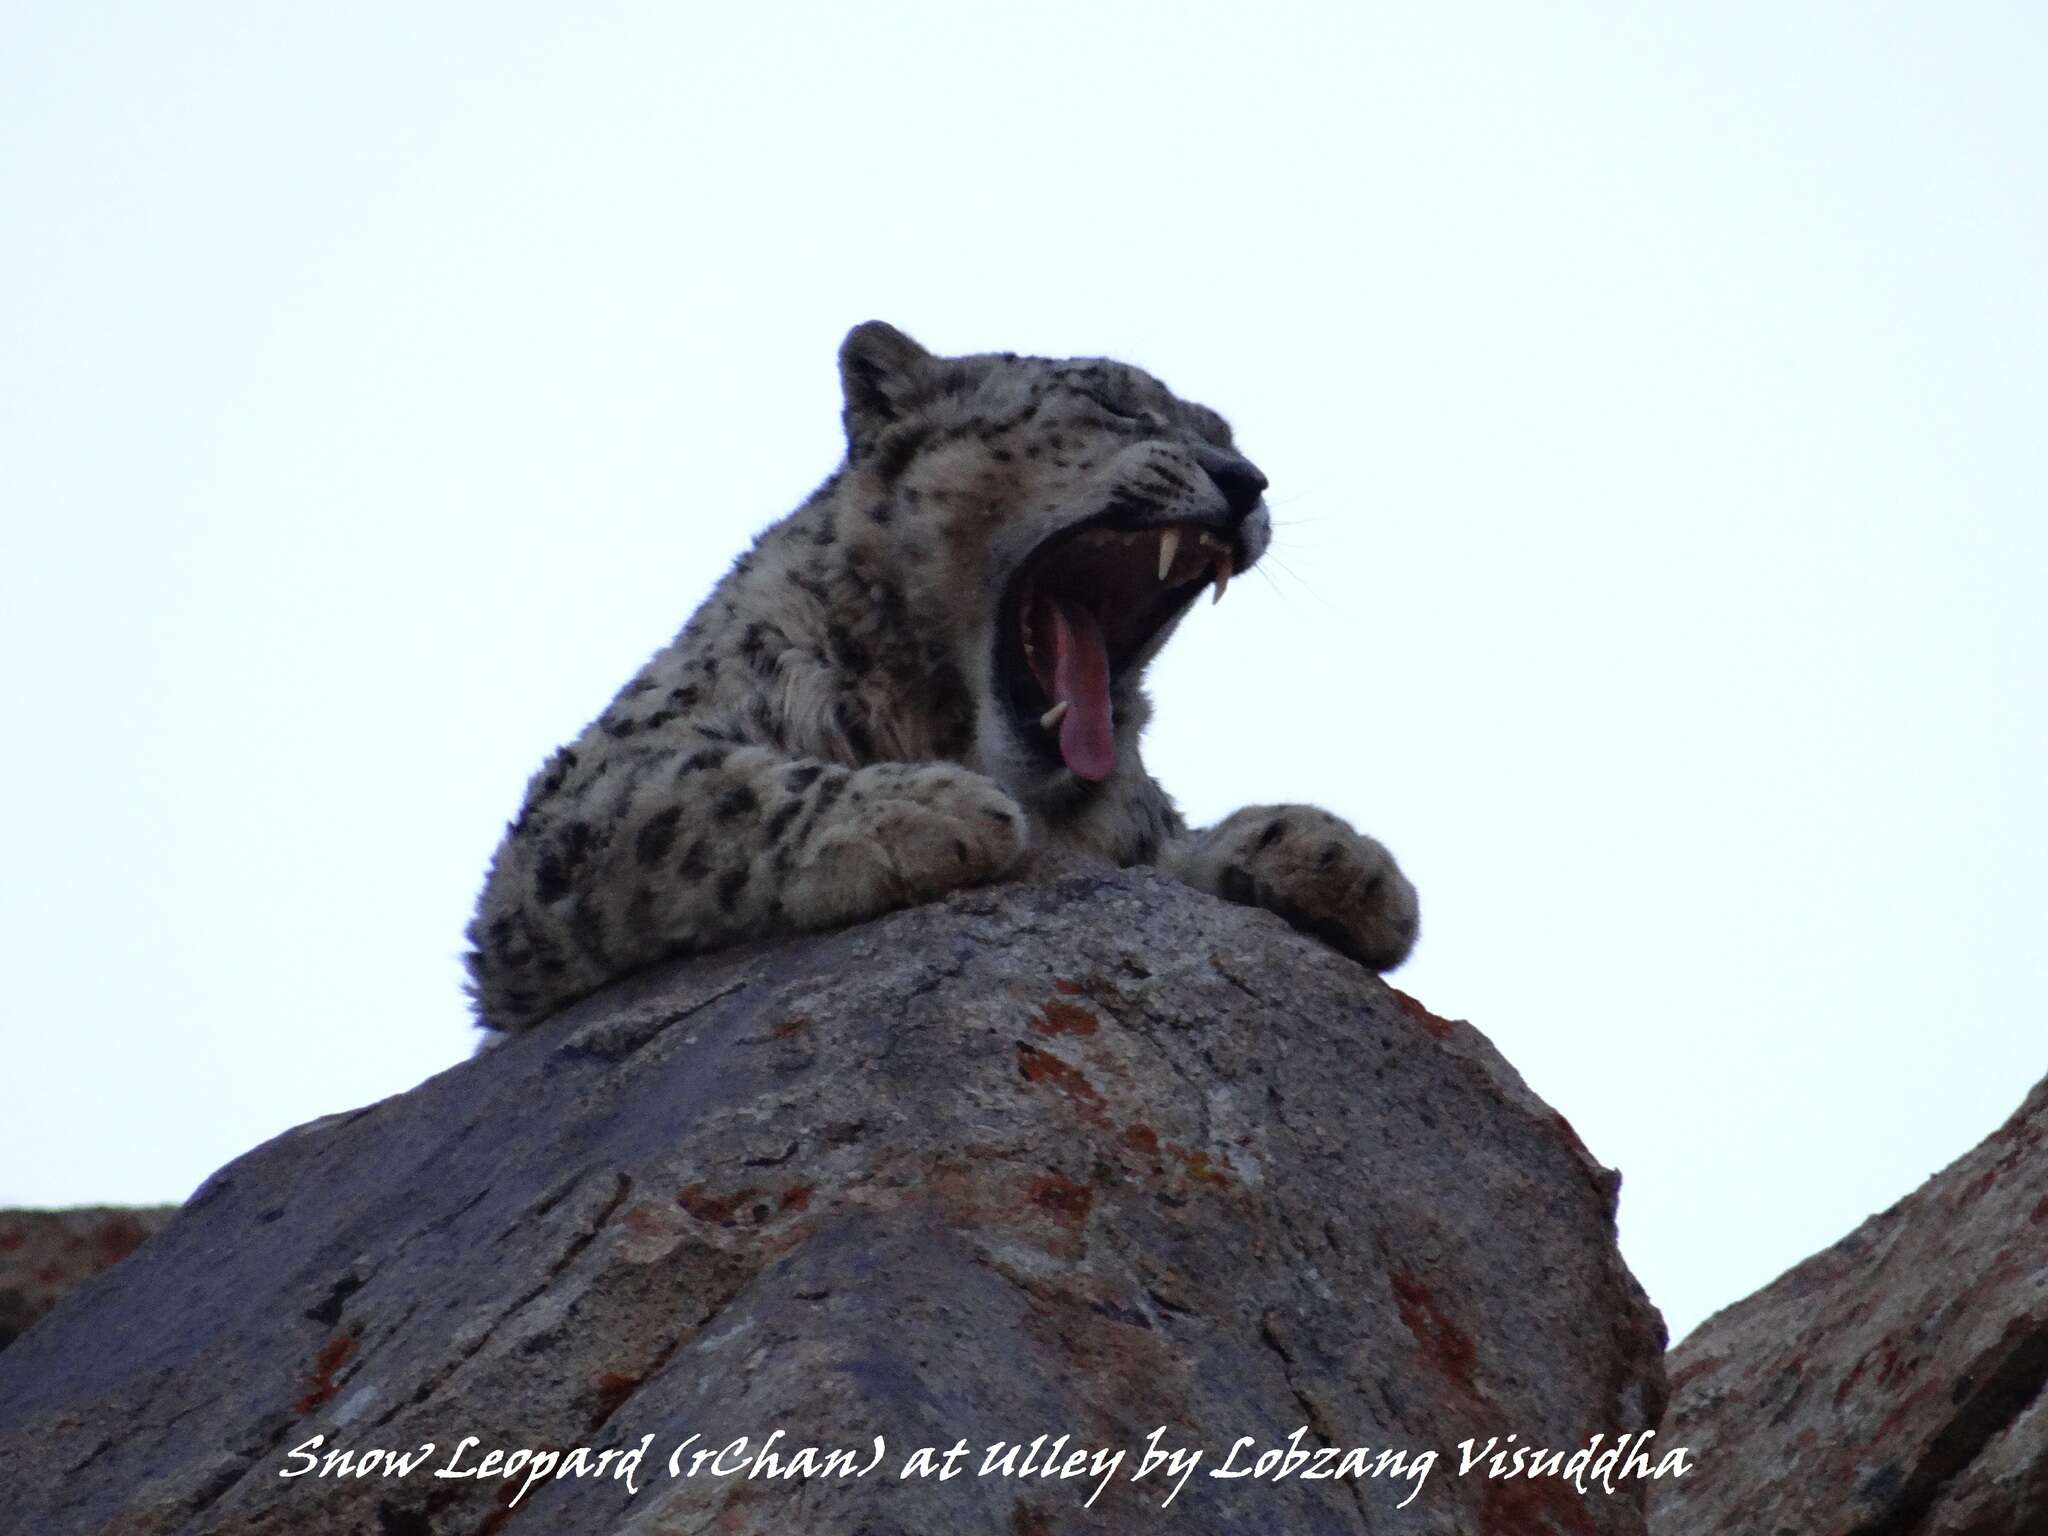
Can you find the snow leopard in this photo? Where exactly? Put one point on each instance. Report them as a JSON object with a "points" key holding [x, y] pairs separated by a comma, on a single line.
{"points": [[931, 669]]}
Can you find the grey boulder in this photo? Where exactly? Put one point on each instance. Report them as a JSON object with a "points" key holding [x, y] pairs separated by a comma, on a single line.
{"points": [[1896, 1383], [1100, 1158]]}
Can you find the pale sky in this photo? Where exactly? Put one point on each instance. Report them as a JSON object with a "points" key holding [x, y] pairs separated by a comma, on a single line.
{"points": [[1653, 398]]}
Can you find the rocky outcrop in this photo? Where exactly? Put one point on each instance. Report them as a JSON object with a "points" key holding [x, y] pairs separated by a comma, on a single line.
{"points": [[1894, 1385], [1100, 1158], [43, 1254]]}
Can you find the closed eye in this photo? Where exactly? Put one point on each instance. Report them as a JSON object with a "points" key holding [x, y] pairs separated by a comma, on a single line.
{"points": [[1143, 418], [1103, 401]]}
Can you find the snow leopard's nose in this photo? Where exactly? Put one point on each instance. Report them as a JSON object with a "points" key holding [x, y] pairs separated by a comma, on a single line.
{"points": [[1238, 479]]}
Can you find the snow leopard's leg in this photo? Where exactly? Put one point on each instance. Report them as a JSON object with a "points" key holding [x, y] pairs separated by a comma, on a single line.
{"points": [[705, 843], [1310, 867]]}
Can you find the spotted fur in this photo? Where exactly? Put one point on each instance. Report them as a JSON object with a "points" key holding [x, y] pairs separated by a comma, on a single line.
{"points": [[830, 736]]}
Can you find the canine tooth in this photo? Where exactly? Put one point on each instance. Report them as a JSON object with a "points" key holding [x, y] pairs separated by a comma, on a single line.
{"points": [[1169, 546], [1222, 577], [1053, 716]]}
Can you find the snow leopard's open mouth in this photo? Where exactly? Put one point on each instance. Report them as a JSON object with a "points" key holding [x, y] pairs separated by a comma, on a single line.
{"points": [[1089, 605]]}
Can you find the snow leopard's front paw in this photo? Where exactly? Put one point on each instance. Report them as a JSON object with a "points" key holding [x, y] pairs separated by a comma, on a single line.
{"points": [[901, 834], [1314, 870]]}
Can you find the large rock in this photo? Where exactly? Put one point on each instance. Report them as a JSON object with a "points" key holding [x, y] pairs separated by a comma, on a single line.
{"points": [[1096, 1158], [1892, 1384], [43, 1254]]}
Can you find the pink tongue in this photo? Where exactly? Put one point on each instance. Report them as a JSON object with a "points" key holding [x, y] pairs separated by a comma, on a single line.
{"points": [[1080, 680]]}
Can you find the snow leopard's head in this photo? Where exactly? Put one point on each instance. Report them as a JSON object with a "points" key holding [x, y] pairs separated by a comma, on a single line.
{"points": [[1054, 519]]}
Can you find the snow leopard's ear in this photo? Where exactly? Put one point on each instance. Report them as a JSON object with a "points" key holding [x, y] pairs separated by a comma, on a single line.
{"points": [[881, 371]]}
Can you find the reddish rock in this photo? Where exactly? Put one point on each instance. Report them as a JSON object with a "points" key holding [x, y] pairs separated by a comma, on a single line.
{"points": [[43, 1254], [1896, 1383], [1100, 1158]]}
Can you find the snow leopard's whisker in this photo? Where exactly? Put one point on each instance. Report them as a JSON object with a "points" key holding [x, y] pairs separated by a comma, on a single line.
{"points": [[1272, 562]]}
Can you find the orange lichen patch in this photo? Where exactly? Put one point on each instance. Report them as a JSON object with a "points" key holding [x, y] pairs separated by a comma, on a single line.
{"points": [[1848, 1383], [1977, 1189], [796, 1197], [1441, 1028], [1069, 1201], [334, 1354], [794, 1024], [643, 1220], [960, 1195], [1044, 1067], [1890, 1366], [1444, 1344], [1201, 1167], [1891, 1369], [1912, 1408], [1061, 1018], [1048, 1212], [714, 1208], [1062, 984], [1140, 1137]]}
